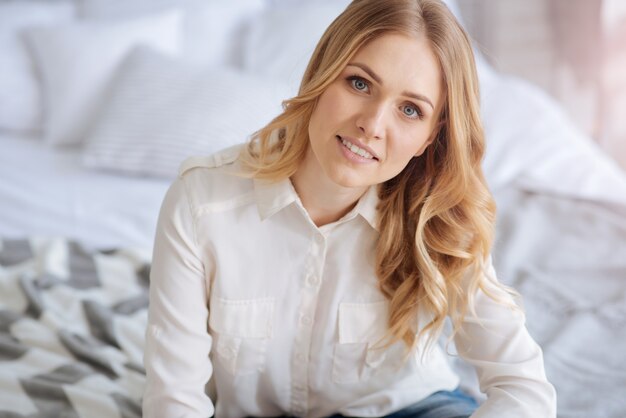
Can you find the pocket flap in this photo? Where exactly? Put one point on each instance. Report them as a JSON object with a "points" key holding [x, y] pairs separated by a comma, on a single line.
{"points": [[363, 322], [242, 318]]}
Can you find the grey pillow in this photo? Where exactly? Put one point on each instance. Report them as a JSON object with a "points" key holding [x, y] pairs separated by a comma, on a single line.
{"points": [[160, 111]]}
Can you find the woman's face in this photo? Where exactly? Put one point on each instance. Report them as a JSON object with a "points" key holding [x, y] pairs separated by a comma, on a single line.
{"points": [[379, 113]]}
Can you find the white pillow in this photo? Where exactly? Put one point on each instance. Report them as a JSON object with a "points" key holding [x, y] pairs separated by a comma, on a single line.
{"points": [[20, 101], [161, 111], [532, 143], [280, 42], [77, 61], [212, 28]]}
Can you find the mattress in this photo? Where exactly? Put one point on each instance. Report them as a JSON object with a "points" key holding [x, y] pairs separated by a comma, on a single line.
{"points": [[46, 192]]}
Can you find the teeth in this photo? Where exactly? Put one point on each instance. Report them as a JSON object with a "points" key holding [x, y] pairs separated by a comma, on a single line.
{"points": [[357, 150]]}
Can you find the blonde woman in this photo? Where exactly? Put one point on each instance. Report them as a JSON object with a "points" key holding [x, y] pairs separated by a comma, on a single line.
{"points": [[310, 272]]}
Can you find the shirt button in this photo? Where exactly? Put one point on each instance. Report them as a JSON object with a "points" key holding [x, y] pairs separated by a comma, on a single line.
{"points": [[313, 280], [300, 357], [229, 353], [306, 320]]}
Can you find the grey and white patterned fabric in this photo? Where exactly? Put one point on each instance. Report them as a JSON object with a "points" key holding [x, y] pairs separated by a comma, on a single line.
{"points": [[71, 330]]}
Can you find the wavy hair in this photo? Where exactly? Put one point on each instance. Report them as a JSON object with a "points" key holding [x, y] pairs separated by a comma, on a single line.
{"points": [[439, 204]]}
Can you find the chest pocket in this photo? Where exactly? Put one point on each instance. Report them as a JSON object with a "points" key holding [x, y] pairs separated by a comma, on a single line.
{"points": [[357, 354], [241, 330]]}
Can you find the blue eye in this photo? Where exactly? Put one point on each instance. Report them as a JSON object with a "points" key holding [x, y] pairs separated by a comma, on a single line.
{"points": [[358, 83], [411, 111]]}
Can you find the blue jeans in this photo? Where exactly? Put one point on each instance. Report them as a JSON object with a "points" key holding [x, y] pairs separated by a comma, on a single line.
{"points": [[443, 404]]}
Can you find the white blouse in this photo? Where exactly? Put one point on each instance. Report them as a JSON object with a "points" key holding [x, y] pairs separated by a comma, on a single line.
{"points": [[256, 311]]}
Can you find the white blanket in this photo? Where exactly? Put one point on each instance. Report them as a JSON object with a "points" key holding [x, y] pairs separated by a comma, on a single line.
{"points": [[567, 258], [46, 191]]}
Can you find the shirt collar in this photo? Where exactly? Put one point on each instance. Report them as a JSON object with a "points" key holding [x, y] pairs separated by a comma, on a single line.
{"points": [[367, 207], [274, 196]]}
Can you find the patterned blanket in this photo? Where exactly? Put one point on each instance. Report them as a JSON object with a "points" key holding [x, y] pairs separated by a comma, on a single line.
{"points": [[71, 330]]}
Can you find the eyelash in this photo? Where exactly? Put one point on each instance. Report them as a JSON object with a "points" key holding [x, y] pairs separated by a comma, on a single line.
{"points": [[354, 78]]}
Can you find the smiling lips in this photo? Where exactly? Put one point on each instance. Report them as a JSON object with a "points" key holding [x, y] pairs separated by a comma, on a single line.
{"points": [[350, 144]]}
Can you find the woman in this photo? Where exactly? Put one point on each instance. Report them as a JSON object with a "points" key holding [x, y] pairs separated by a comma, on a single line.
{"points": [[310, 272]]}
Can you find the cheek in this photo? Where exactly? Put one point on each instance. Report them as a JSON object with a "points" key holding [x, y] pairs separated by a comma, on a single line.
{"points": [[411, 141], [334, 105]]}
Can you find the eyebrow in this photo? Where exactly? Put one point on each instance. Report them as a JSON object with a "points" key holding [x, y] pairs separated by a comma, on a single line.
{"points": [[376, 78]]}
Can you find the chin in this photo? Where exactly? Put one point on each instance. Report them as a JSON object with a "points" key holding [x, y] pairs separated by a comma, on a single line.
{"points": [[349, 182]]}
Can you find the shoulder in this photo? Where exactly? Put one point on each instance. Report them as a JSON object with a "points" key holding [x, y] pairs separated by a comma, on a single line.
{"points": [[214, 178], [226, 156]]}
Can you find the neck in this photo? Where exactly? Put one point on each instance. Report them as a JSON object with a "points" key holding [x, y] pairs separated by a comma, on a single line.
{"points": [[324, 200]]}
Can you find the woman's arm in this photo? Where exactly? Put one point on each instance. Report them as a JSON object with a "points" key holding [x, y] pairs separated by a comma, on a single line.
{"points": [[177, 340], [508, 362]]}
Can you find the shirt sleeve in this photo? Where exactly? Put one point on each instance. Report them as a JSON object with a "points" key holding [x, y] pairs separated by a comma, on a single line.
{"points": [[508, 362], [176, 354]]}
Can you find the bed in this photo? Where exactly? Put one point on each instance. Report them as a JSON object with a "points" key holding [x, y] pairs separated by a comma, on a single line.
{"points": [[89, 143]]}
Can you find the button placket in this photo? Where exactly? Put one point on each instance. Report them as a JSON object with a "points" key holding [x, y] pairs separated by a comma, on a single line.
{"points": [[302, 342], [306, 320], [313, 281]]}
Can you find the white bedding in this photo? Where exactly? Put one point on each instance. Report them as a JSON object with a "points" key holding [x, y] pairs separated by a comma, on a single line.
{"points": [[567, 258], [45, 191]]}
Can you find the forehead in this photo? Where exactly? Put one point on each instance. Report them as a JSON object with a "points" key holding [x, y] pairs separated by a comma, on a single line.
{"points": [[403, 63]]}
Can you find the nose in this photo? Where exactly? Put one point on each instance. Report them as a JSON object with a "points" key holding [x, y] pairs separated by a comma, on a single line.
{"points": [[371, 121]]}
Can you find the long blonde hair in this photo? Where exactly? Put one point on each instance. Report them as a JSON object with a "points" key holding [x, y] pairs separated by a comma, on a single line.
{"points": [[439, 204]]}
